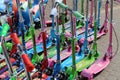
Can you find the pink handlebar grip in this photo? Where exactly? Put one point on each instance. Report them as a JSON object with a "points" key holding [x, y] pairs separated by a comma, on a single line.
{"points": [[15, 38], [27, 62]]}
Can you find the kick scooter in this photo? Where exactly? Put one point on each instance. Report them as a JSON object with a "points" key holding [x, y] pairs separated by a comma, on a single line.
{"points": [[103, 62]]}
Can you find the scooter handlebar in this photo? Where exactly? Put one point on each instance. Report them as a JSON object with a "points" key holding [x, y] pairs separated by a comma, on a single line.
{"points": [[5, 28], [28, 64], [62, 5], [78, 15], [15, 38]]}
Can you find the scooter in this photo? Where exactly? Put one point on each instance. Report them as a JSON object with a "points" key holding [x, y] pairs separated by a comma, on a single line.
{"points": [[71, 71], [52, 50], [32, 31], [45, 63], [84, 49], [62, 75], [93, 54], [90, 58], [57, 66], [103, 62]]}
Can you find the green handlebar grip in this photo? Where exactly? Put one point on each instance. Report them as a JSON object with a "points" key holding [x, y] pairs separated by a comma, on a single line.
{"points": [[62, 5], [5, 29], [78, 15]]}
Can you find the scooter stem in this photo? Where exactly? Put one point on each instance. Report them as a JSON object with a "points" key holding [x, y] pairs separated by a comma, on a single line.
{"points": [[32, 27], [64, 1], [75, 5], [109, 53], [95, 23], [21, 24], [99, 7], [91, 12], [82, 7], [84, 47], [106, 13], [111, 21]]}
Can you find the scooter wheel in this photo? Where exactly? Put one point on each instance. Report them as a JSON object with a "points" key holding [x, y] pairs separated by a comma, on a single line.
{"points": [[37, 24], [38, 65], [61, 76], [48, 71], [53, 41], [83, 78]]}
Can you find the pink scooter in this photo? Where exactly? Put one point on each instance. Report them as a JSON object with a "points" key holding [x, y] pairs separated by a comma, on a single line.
{"points": [[103, 62]]}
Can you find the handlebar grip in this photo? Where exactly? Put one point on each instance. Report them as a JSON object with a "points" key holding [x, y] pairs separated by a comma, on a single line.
{"points": [[62, 5], [78, 15], [5, 28], [27, 62], [15, 38]]}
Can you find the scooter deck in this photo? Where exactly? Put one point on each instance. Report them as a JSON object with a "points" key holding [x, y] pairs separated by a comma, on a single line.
{"points": [[98, 66], [68, 25], [68, 61], [80, 32], [39, 48], [86, 62], [63, 55], [51, 53], [29, 44], [91, 38]]}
